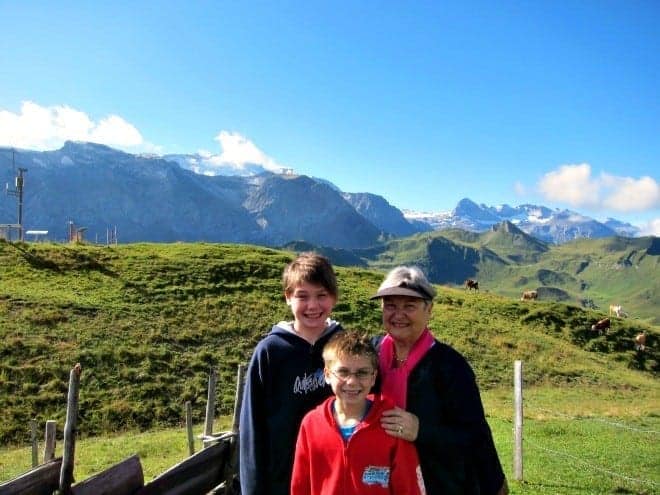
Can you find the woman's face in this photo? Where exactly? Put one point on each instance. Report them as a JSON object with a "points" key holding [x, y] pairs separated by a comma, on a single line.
{"points": [[405, 317]]}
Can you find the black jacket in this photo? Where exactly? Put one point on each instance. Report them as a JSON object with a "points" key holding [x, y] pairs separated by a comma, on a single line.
{"points": [[455, 444]]}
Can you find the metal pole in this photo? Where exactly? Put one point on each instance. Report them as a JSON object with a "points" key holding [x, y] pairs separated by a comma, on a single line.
{"points": [[18, 192], [19, 189]]}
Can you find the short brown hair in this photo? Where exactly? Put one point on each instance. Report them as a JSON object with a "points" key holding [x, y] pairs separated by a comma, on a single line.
{"points": [[312, 268], [349, 343]]}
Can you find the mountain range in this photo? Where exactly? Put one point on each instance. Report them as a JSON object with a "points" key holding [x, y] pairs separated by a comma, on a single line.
{"points": [[189, 198], [556, 226]]}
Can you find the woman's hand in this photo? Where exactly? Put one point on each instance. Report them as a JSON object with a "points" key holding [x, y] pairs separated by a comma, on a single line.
{"points": [[400, 423]]}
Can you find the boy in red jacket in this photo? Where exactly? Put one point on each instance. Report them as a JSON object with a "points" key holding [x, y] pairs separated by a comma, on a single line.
{"points": [[341, 445]]}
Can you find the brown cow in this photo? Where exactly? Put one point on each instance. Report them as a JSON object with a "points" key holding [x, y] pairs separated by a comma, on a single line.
{"points": [[471, 284], [640, 342], [528, 295], [601, 326]]}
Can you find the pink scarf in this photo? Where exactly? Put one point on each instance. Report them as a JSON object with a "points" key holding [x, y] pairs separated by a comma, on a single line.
{"points": [[394, 381]]}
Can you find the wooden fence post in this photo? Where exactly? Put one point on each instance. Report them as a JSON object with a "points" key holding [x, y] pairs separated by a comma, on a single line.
{"points": [[189, 428], [238, 399], [66, 472], [210, 404], [232, 465], [49, 443], [518, 421], [35, 445]]}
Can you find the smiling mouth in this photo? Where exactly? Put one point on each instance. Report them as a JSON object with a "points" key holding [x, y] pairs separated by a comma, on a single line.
{"points": [[352, 392], [399, 324]]}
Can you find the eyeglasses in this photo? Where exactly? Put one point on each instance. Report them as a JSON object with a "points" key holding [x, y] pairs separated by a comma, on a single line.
{"points": [[343, 374]]}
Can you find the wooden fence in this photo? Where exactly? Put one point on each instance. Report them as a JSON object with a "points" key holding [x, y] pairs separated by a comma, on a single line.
{"points": [[214, 469]]}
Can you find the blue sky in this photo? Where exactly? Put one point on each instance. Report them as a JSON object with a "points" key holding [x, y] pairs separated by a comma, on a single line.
{"points": [[424, 103]]}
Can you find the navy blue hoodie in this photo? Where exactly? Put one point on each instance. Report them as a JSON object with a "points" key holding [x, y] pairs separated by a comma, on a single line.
{"points": [[284, 381]]}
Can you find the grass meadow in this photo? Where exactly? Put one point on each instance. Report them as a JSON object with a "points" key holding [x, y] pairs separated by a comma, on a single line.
{"points": [[572, 444], [148, 321]]}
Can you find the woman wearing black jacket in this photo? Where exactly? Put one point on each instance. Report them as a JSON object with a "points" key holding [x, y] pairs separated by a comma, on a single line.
{"points": [[434, 387]]}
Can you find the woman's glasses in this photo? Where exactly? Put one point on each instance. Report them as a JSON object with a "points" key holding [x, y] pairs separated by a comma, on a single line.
{"points": [[344, 374]]}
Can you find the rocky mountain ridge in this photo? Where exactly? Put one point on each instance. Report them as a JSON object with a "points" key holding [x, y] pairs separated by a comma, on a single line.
{"points": [[550, 225], [165, 199]]}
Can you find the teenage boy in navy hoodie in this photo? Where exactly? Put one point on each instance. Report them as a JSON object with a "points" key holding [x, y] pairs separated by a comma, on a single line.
{"points": [[285, 377]]}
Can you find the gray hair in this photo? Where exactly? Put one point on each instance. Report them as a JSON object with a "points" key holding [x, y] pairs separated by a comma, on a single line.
{"points": [[408, 278]]}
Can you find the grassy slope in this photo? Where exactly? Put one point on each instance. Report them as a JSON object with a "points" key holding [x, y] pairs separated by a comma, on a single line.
{"points": [[147, 321], [589, 272]]}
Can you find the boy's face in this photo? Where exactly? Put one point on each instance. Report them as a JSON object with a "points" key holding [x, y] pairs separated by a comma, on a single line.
{"points": [[351, 378], [311, 305]]}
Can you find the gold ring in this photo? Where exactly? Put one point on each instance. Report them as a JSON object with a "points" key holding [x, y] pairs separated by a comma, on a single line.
{"points": [[400, 429]]}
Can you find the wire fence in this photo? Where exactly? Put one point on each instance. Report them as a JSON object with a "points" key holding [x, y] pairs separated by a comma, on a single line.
{"points": [[614, 424], [530, 443]]}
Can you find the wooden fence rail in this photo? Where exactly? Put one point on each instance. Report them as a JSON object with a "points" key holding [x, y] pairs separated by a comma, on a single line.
{"points": [[198, 474], [124, 478], [42, 480], [212, 469]]}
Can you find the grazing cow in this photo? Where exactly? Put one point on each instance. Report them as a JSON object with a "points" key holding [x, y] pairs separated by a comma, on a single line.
{"points": [[601, 326], [640, 342], [471, 284], [528, 295], [617, 310]]}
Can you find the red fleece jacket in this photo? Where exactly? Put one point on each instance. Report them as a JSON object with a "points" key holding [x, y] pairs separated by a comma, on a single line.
{"points": [[371, 462]]}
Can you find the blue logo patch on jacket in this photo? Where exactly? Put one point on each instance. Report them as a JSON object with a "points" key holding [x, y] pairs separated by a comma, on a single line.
{"points": [[376, 475]]}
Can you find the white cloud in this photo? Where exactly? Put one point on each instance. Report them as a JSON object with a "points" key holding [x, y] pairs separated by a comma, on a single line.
{"points": [[652, 227], [114, 130], [574, 185], [627, 194], [570, 184], [45, 128], [240, 151]]}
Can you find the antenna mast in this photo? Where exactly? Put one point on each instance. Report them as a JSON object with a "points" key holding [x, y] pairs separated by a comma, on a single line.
{"points": [[18, 192]]}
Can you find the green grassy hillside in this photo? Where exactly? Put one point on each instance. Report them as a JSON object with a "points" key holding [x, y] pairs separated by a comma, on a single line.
{"points": [[148, 321], [590, 273]]}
